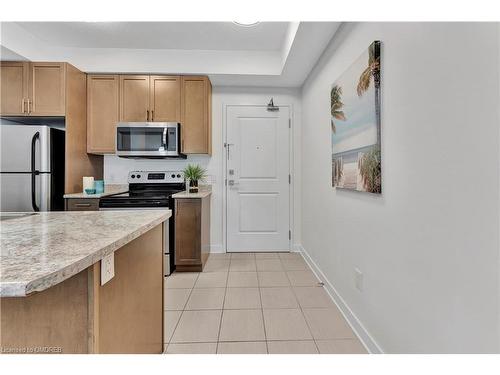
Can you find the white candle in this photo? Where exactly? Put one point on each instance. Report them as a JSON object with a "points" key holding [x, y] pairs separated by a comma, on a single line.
{"points": [[88, 183]]}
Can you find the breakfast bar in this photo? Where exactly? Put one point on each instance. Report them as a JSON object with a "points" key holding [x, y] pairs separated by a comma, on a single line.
{"points": [[54, 298]]}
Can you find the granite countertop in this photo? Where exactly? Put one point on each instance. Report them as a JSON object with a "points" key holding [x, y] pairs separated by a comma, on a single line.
{"points": [[40, 250], [203, 192], [108, 190]]}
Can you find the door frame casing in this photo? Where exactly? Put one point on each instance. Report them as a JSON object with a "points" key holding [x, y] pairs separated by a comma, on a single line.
{"points": [[291, 205]]}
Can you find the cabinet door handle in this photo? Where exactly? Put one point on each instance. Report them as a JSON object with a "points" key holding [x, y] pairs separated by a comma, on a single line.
{"points": [[152, 115], [147, 115], [29, 106], [24, 105]]}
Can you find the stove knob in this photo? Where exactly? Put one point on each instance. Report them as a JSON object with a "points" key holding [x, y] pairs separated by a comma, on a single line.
{"points": [[173, 176], [178, 176], [138, 176], [133, 176]]}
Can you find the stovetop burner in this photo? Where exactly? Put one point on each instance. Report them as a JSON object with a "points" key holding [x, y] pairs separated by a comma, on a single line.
{"points": [[147, 190]]}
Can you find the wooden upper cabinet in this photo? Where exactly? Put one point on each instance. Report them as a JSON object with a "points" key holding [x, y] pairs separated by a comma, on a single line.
{"points": [[196, 93], [103, 104], [165, 98], [47, 89], [142, 98], [14, 88], [33, 89], [134, 98]]}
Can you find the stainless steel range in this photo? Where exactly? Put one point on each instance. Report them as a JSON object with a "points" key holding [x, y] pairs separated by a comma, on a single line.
{"points": [[150, 190]]}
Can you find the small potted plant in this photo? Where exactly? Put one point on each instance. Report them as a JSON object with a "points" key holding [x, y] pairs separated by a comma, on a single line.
{"points": [[193, 173]]}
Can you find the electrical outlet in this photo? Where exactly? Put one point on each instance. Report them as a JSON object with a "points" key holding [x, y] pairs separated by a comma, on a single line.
{"points": [[107, 268], [358, 279]]}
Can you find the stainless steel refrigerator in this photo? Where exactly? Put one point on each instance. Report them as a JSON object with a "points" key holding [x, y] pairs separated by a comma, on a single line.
{"points": [[31, 168]]}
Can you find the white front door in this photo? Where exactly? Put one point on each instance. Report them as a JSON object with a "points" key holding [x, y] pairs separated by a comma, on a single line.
{"points": [[258, 186]]}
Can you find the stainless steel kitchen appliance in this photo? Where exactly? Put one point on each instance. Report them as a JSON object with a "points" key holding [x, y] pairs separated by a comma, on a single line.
{"points": [[150, 190], [31, 168], [148, 140]]}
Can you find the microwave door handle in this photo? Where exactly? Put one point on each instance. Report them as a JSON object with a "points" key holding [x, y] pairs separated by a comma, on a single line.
{"points": [[165, 138]]}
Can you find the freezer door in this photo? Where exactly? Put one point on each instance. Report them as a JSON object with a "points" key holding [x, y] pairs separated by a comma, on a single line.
{"points": [[15, 145], [16, 193]]}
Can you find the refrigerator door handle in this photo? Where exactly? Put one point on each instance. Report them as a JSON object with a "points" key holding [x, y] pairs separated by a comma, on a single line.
{"points": [[34, 172]]}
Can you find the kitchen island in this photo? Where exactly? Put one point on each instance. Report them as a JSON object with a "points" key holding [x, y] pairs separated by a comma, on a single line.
{"points": [[52, 299]]}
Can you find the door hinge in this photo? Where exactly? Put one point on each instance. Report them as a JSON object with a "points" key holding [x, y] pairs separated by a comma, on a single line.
{"points": [[289, 179], [290, 235], [290, 123]]}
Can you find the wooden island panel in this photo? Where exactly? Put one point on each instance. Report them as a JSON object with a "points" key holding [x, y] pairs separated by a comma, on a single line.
{"points": [[78, 315], [52, 321]]}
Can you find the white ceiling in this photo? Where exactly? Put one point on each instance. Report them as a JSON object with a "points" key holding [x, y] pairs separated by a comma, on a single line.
{"points": [[8, 55], [268, 54], [225, 36]]}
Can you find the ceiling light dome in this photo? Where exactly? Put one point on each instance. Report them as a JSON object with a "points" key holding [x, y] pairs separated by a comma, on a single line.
{"points": [[246, 23]]}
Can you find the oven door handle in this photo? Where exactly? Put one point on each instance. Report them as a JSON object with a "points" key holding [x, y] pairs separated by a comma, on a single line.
{"points": [[132, 208]]}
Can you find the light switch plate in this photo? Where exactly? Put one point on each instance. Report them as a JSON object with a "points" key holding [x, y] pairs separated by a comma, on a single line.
{"points": [[107, 268]]}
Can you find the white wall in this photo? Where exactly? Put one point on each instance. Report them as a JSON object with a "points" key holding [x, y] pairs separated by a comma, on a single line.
{"points": [[116, 169], [429, 246]]}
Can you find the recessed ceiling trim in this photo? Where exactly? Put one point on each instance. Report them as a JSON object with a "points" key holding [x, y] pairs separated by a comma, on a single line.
{"points": [[287, 66]]}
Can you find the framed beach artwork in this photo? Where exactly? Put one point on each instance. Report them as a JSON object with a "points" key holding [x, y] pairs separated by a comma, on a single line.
{"points": [[355, 125]]}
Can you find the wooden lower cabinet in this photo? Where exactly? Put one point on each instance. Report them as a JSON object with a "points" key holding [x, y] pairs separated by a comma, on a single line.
{"points": [[192, 233], [81, 204], [79, 315]]}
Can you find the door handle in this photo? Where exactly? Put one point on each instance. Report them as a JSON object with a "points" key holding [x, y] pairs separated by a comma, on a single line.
{"points": [[152, 115], [227, 146], [232, 182], [147, 115], [24, 105], [34, 172]]}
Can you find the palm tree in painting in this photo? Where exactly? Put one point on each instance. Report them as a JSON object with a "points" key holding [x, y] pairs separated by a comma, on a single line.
{"points": [[336, 106], [372, 71]]}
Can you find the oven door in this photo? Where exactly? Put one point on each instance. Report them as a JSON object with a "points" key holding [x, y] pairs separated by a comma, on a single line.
{"points": [[147, 139]]}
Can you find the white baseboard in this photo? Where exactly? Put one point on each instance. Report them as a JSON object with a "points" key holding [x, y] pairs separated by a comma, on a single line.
{"points": [[217, 249], [358, 328], [296, 248]]}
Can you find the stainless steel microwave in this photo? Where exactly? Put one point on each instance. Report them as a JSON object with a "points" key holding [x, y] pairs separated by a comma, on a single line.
{"points": [[148, 139]]}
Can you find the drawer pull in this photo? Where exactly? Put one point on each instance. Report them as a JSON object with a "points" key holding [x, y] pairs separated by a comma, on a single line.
{"points": [[82, 204]]}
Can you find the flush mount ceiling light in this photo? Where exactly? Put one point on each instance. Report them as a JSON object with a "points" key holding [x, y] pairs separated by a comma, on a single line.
{"points": [[246, 23]]}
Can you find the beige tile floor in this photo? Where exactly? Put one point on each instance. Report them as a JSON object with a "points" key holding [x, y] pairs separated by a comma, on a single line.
{"points": [[253, 303]]}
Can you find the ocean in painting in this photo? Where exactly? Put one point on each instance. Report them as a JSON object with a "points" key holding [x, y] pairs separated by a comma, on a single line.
{"points": [[355, 113]]}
